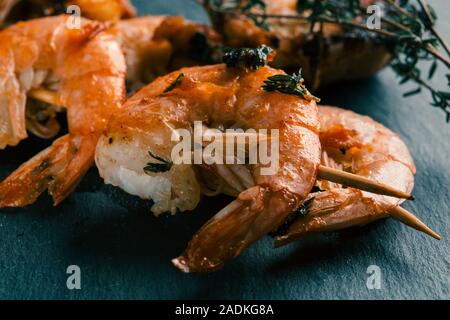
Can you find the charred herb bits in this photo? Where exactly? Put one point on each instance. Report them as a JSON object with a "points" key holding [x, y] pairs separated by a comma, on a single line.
{"points": [[301, 211], [248, 58], [162, 166]]}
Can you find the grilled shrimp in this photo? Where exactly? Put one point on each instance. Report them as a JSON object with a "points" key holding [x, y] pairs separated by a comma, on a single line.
{"points": [[156, 45], [221, 97], [87, 70], [339, 55], [356, 144], [12, 11]]}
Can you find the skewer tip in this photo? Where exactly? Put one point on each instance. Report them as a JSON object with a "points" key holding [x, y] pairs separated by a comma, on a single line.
{"points": [[411, 220]]}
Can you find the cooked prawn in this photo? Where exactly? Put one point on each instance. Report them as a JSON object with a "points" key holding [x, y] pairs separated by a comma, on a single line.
{"points": [[12, 11], [87, 70], [362, 146], [222, 98]]}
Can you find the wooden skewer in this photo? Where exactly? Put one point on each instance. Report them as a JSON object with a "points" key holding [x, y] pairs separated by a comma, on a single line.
{"points": [[355, 181], [411, 220], [45, 95]]}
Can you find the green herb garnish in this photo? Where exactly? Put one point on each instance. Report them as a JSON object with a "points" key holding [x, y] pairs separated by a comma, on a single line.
{"points": [[248, 58], [301, 211], [175, 83], [289, 84], [164, 166]]}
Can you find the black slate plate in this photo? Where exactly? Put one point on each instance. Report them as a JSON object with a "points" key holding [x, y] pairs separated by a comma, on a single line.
{"points": [[124, 252]]}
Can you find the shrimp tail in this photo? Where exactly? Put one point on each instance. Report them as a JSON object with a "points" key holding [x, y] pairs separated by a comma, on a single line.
{"points": [[340, 209], [56, 169], [256, 212]]}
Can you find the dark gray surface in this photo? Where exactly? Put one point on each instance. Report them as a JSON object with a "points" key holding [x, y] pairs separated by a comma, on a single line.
{"points": [[124, 252]]}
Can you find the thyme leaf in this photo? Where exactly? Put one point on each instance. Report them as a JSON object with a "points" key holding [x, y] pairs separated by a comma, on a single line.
{"points": [[175, 83], [289, 84], [152, 167]]}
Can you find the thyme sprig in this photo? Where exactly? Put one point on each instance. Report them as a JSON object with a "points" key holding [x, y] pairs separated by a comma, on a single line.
{"points": [[408, 30], [163, 166], [289, 84]]}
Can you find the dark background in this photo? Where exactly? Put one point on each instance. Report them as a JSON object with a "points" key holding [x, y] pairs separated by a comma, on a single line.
{"points": [[124, 252]]}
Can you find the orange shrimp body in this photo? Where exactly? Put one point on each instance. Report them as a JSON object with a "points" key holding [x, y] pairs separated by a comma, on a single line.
{"points": [[12, 11], [220, 97], [86, 68], [357, 144]]}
